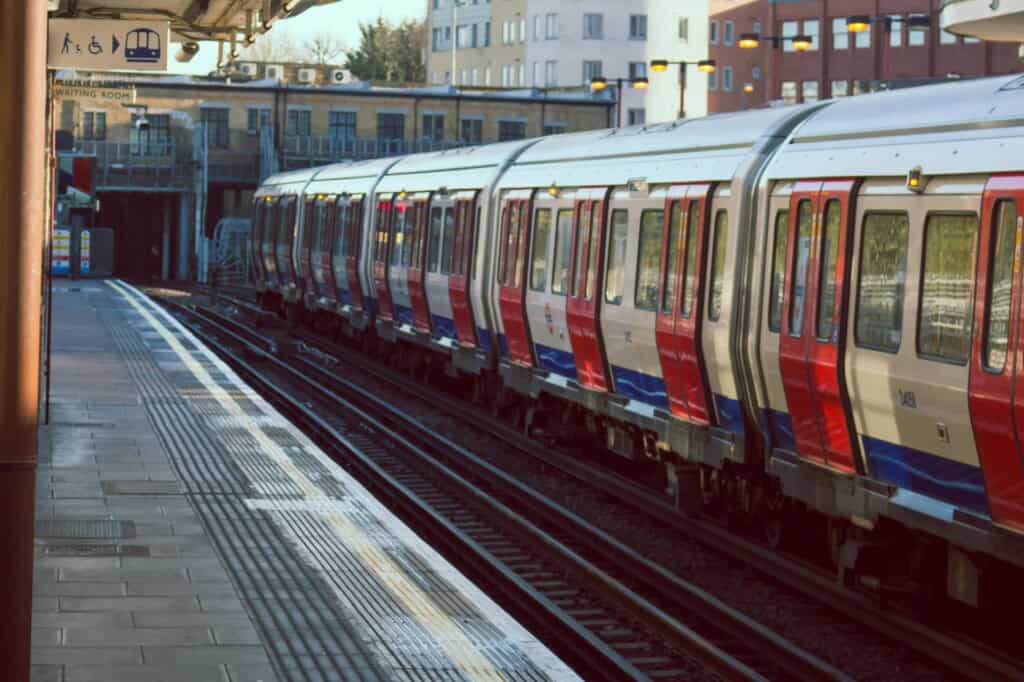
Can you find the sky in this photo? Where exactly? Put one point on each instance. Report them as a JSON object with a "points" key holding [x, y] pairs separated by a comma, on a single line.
{"points": [[341, 18]]}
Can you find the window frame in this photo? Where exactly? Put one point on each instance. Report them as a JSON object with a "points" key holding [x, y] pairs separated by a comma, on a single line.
{"points": [[656, 301], [609, 254], [778, 230], [534, 233], [857, 303], [986, 336], [712, 315]]}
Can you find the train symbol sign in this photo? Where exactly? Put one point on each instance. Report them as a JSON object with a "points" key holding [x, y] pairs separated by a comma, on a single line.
{"points": [[101, 45]]}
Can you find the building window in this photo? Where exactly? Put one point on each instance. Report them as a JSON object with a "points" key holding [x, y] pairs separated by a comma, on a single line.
{"points": [[917, 36], [157, 139], [486, 40], [259, 118], [947, 38], [862, 40], [538, 75], [522, 75], [511, 130], [216, 120], [506, 75], [757, 27], [522, 30], [551, 74], [551, 26], [554, 127], [433, 127], [638, 27], [390, 127], [591, 70], [476, 76], [789, 92], [840, 88], [463, 36], [684, 28], [299, 123], [637, 117], [790, 29], [506, 32], [713, 32], [840, 34], [810, 91], [593, 26], [341, 125], [94, 125], [727, 79], [755, 73], [895, 31], [487, 76], [713, 80], [435, 40], [472, 131], [728, 32], [538, 25], [811, 29], [637, 70]]}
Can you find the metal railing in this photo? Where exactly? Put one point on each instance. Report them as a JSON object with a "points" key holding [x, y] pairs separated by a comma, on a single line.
{"points": [[139, 164]]}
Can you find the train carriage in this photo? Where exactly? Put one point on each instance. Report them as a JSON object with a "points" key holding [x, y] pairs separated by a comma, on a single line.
{"points": [[277, 205]]}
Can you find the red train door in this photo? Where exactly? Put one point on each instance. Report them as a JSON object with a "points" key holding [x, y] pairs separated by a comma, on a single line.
{"points": [[329, 227], [260, 210], [812, 342], [997, 366], [354, 226], [458, 280], [305, 260], [417, 291], [680, 310], [582, 305], [515, 236], [382, 242]]}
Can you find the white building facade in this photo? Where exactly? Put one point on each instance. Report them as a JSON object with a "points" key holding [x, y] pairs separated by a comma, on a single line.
{"points": [[566, 43]]}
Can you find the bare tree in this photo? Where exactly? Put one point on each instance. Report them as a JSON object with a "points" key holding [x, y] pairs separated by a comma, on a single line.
{"points": [[274, 46], [323, 48]]}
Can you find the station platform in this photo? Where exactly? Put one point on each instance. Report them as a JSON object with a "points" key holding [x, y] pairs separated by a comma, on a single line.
{"points": [[187, 532]]}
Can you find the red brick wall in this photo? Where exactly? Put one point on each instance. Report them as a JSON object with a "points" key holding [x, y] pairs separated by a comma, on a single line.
{"points": [[880, 61]]}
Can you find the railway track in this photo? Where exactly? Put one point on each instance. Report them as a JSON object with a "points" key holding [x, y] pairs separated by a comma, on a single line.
{"points": [[610, 612]]}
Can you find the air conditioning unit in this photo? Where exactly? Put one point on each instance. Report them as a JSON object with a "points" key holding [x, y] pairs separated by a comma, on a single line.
{"points": [[274, 72], [307, 75], [248, 69], [339, 76]]}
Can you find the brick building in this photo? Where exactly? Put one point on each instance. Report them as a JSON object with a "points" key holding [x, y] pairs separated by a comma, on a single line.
{"points": [[889, 54]]}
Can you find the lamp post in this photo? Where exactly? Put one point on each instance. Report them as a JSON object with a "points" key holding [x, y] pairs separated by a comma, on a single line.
{"points": [[751, 41], [859, 23], [703, 65], [601, 83]]}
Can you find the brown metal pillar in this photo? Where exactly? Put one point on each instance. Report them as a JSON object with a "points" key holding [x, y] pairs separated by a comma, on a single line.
{"points": [[23, 194]]}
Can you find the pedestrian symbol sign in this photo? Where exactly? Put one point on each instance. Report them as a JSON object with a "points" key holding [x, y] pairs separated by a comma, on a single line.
{"points": [[101, 45]]}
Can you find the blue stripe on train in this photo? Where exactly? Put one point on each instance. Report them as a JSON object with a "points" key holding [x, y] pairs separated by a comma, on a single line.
{"points": [[730, 415], [503, 344], [779, 427], [557, 361], [343, 296], [643, 388], [444, 327], [959, 484], [484, 335], [403, 315]]}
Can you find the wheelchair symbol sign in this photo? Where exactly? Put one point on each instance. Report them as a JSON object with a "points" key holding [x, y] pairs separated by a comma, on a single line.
{"points": [[99, 44]]}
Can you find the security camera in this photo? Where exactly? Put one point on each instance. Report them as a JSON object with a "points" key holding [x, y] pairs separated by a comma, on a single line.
{"points": [[142, 124]]}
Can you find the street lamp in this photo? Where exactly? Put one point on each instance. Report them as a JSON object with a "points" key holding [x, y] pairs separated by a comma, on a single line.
{"points": [[859, 23], [801, 43], [600, 83], [703, 65]]}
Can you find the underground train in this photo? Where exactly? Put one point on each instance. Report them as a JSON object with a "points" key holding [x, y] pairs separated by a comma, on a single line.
{"points": [[808, 316]]}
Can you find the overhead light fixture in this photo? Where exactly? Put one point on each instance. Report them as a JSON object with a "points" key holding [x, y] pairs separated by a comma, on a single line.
{"points": [[641, 83], [706, 65], [187, 51], [858, 23], [659, 65], [748, 88], [598, 84], [289, 6], [748, 41], [802, 43]]}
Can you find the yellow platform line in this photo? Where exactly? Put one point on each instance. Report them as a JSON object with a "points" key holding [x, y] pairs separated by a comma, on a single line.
{"points": [[463, 653]]}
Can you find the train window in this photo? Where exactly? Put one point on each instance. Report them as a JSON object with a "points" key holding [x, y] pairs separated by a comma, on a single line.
{"points": [[434, 243], [690, 273], [798, 292], [340, 232], [446, 246], [319, 225], [778, 270], [717, 281], [615, 279], [947, 287], [539, 261], [675, 235], [594, 246], [827, 329], [648, 262], [563, 233], [580, 262], [380, 253], [1000, 285], [515, 226], [458, 238], [401, 254]]}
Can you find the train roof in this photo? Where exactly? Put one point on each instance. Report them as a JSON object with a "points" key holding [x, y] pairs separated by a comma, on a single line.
{"points": [[286, 182], [462, 168], [962, 127], [358, 177], [690, 150]]}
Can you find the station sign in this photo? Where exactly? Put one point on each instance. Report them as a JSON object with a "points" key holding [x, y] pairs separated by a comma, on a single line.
{"points": [[99, 91], [102, 45]]}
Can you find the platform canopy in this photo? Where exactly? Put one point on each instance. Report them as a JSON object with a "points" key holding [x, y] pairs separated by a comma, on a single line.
{"points": [[190, 19]]}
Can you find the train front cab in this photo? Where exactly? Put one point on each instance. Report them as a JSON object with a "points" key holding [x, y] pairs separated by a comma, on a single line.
{"points": [[888, 345]]}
